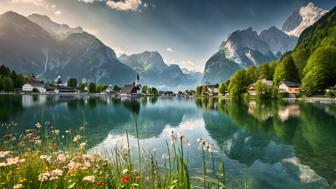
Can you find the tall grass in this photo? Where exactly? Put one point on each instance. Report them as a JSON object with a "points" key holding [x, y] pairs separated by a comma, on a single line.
{"points": [[45, 157]]}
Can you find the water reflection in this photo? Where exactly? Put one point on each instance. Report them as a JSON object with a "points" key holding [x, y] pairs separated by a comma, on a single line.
{"points": [[278, 144]]}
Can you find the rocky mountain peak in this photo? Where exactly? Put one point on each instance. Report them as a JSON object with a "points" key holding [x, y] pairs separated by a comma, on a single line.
{"points": [[58, 31], [302, 18]]}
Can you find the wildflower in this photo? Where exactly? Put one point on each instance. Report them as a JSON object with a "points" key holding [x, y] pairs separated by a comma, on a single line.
{"points": [[100, 184], [56, 172], [73, 166], [44, 176], [77, 138], [135, 185], [87, 164], [182, 138], [68, 131], [82, 145], [2, 164], [14, 161], [61, 158], [89, 178], [17, 186], [55, 132], [38, 142], [3, 154], [124, 171], [173, 137], [38, 125], [43, 156], [138, 177], [125, 179]]}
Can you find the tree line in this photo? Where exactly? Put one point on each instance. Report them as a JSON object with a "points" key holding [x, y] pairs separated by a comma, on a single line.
{"points": [[10, 80]]}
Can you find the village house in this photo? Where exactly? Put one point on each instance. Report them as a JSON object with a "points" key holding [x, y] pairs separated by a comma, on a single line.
{"points": [[210, 89], [132, 89], [64, 89], [289, 87], [251, 89], [34, 86]]}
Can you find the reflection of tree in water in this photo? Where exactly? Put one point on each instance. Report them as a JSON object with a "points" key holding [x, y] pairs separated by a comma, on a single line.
{"points": [[311, 132], [11, 105], [315, 141]]}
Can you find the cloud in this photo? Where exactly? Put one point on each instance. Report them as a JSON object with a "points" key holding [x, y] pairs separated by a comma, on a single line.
{"points": [[39, 3], [87, 1], [124, 5], [169, 49], [187, 64], [58, 13], [119, 51], [190, 65]]}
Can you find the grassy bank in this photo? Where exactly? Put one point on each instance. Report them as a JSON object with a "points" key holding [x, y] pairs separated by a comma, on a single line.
{"points": [[45, 157]]}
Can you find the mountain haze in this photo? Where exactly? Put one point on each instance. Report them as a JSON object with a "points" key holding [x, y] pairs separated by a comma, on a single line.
{"points": [[154, 71], [58, 31], [28, 48]]}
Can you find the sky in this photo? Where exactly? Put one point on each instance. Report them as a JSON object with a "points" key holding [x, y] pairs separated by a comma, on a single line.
{"points": [[184, 32]]}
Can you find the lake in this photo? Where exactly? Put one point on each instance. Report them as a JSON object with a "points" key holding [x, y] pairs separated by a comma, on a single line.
{"points": [[269, 144]]}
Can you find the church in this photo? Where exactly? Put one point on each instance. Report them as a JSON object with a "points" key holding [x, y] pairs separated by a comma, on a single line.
{"points": [[132, 89]]}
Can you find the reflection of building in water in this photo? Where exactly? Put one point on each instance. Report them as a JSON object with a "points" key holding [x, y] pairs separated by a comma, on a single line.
{"points": [[289, 111], [252, 105], [30, 100], [259, 111]]}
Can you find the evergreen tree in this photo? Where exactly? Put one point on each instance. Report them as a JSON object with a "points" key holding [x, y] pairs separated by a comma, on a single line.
{"points": [[92, 87], [72, 82], [286, 70], [238, 83], [198, 90], [8, 84], [222, 89], [320, 72], [116, 88]]}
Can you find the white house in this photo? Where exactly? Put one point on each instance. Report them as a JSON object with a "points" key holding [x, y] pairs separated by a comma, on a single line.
{"points": [[289, 87], [37, 85], [251, 89]]}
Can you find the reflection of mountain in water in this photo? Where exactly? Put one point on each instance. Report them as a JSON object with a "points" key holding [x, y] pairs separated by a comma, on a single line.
{"points": [[306, 127]]}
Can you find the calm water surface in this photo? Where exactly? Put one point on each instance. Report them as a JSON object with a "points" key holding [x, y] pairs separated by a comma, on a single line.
{"points": [[269, 144]]}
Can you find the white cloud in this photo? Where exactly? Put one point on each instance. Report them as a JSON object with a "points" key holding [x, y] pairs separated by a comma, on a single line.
{"points": [[190, 65], [39, 3], [88, 1], [187, 64], [124, 5], [119, 51], [58, 13], [169, 49]]}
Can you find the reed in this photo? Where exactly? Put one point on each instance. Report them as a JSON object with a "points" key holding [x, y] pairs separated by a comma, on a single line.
{"points": [[45, 157]]}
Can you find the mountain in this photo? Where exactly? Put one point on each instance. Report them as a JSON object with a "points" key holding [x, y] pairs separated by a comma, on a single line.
{"points": [[148, 64], [245, 48], [154, 71], [58, 31], [301, 19], [278, 42], [28, 48]]}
